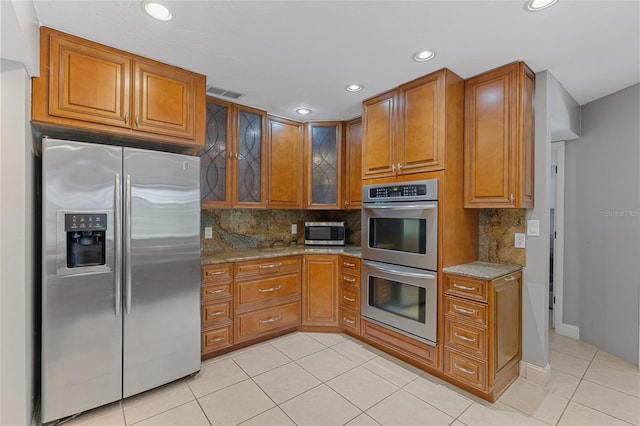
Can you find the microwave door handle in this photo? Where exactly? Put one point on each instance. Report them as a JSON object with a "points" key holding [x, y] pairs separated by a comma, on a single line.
{"points": [[410, 207], [407, 274]]}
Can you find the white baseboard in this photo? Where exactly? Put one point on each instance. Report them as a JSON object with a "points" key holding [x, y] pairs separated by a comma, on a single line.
{"points": [[535, 374], [568, 330]]}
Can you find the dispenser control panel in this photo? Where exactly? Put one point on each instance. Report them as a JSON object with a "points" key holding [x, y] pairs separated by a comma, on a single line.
{"points": [[85, 222]]}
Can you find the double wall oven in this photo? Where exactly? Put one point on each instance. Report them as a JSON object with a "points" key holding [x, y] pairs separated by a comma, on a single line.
{"points": [[400, 257]]}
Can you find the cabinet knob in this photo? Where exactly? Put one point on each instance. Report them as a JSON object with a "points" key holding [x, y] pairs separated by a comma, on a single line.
{"points": [[512, 198], [126, 117], [137, 120], [399, 166]]}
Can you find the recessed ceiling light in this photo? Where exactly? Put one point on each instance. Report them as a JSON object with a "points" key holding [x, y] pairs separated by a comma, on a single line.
{"points": [[424, 55], [535, 5], [303, 111], [158, 11], [354, 87]]}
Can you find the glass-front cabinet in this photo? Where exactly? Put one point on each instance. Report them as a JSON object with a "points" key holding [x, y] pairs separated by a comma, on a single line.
{"points": [[323, 165], [232, 162]]}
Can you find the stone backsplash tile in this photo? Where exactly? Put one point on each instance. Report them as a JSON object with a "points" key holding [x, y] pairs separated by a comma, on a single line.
{"points": [[235, 229], [496, 234]]}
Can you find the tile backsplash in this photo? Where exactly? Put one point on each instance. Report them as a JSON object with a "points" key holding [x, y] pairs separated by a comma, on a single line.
{"points": [[496, 235], [236, 229]]}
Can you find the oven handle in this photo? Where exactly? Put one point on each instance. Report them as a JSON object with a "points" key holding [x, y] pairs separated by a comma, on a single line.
{"points": [[407, 207], [406, 274]]}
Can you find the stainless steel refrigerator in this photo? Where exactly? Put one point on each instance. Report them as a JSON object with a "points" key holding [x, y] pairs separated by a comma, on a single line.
{"points": [[121, 271]]}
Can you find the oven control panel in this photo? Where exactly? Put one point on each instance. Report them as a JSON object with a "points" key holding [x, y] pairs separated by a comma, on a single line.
{"points": [[422, 190]]}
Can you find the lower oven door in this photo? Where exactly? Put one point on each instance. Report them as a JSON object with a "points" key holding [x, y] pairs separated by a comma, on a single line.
{"points": [[402, 298]]}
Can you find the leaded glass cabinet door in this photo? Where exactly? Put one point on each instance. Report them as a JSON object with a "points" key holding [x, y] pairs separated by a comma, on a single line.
{"points": [[324, 165], [250, 183], [215, 160]]}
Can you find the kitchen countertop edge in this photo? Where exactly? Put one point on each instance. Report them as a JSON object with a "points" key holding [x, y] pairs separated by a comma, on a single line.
{"points": [[482, 270], [256, 254]]}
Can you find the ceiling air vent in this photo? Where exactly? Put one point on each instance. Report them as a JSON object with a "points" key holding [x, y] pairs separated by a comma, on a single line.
{"points": [[217, 91]]}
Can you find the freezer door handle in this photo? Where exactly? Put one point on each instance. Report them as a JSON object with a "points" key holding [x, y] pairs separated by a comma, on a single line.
{"points": [[127, 243], [118, 243]]}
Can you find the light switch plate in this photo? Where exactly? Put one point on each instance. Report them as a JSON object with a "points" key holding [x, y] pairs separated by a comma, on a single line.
{"points": [[294, 228], [533, 228], [520, 240], [208, 232]]}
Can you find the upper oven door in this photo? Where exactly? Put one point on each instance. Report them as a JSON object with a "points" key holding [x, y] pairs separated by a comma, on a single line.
{"points": [[401, 233]]}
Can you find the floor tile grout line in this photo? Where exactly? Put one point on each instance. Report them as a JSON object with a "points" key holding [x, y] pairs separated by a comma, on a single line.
{"points": [[600, 411], [437, 408], [159, 413], [198, 402], [611, 388]]}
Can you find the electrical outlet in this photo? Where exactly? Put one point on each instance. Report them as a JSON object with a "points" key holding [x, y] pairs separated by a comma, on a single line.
{"points": [[520, 240], [294, 228], [208, 232], [533, 228]]}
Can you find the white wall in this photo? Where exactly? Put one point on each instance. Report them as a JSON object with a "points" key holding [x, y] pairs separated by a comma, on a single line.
{"points": [[602, 225], [20, 39], [16, 249]]}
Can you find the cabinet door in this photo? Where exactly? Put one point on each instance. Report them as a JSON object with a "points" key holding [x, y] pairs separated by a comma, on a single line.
{"points": [[378, 136], [506, 302], [353, 164], [164, 100], [420, 142], [249, 157], [88, 83], [215, 163], [323, 159], [320, 290], [285, 160]]}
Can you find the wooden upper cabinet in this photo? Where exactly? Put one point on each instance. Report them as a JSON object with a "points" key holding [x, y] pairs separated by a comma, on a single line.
{"points": [[405, 130], [284, 163], [249, 157], [323, 165], [91, 87], [215, 161], [353, 164], [499, 138]]}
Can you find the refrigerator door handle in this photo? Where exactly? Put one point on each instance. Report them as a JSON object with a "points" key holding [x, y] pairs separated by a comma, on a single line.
{"points": [[117, 218], [127, 242]]}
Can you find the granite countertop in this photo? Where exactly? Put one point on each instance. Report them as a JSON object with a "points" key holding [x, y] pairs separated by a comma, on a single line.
{"points": [[266, 253], [483, 270]]}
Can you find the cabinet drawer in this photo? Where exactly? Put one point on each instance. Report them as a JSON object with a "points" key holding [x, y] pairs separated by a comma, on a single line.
{"points": [[215, 339], [426, 354], [256, 323], [465, 369], [351, 264], [215, 312], [267, 289], [465, 310], [272, 266], [219, 272], [466, 338], [350, 297], [350, 320], [347, 278], [466, 287], [216, 291]]}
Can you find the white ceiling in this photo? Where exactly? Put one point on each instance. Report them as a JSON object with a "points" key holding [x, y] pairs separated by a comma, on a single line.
{"points": [[286, 54]]}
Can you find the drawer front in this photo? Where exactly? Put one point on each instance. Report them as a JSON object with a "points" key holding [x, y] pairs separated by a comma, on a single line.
{"points": [[466, 287], [465, 369], [350, 320], [267, 289], [216, 291], [466, 338], [219, 272], [215, 339], [347, 278], [426, 354], [213, 313], [257, 323], [350, 264], [350, 298], [266, 267], [467, 310]]}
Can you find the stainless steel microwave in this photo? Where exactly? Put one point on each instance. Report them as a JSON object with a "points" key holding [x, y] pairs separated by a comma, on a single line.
{"points": [[324, 233]]}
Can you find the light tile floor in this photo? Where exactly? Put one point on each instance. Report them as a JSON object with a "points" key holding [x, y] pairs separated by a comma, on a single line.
{"points": [[331, 379]]}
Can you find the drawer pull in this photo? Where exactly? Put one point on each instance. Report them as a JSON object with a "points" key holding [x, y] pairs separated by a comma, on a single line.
{"points": [[511, 278], [348, 299], [216, 340], [272, 319], [271, 265], [464, 370], [210, 273], [218, 291], [348, 321], [349, 264], [270, 289], [463, 287], [464, 311], [465, 338], [216, 314], [349, 280]]}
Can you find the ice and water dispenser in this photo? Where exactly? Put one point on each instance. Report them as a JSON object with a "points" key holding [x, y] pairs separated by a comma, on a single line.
{"points": [[85, 235]]}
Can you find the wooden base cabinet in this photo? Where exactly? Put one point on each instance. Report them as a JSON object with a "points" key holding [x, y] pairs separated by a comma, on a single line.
{"points": [[349, 298], [483, 332], [216, 307], [320, 290]]}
